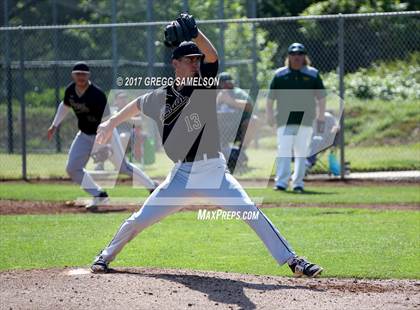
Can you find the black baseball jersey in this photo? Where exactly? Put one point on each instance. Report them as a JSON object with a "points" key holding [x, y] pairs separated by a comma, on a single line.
{"points": [[89, 108], [295, 91], [186, 117]]}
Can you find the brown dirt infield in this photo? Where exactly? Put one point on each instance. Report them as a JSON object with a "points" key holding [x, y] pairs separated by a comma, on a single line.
{"points": [[145, 288], [15, 207]]}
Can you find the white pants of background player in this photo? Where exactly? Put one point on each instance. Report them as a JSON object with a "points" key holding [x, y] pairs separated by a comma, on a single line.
{"points": [[79, 155], [288, 146], [208, 179]]}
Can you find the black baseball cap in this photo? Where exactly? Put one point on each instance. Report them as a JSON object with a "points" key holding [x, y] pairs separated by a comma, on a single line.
{"points": [[296, 48], [80, 67], [186, 48]]}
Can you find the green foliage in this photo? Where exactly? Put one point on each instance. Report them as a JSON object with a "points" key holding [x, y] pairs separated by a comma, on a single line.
{"points": [[274, 8], [382, 123], [243, 50], [43, 98], [366, 40], [382, 103], [349, 6], [395, 80], [39, 115], [85, 11]]}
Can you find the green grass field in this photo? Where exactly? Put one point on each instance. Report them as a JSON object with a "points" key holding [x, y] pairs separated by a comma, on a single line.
{"points": [[261, 161], [347, 242], [316, 194]]}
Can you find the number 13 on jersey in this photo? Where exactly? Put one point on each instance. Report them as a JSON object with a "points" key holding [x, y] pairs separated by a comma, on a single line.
{"points": [[193, 122]]}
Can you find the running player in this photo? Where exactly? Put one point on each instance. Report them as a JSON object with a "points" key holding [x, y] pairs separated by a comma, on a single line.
{"points": [[89, 103]]}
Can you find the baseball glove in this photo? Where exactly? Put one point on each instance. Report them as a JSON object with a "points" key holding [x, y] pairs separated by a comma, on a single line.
{"points": [[102, 154], [184, 28]]}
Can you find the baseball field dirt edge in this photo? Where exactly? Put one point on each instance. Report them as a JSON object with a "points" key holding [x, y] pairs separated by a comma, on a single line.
{"points": [[151, 288]]}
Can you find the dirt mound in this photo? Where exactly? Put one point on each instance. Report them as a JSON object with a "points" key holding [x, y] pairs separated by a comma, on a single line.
{"points": [[145, 288], [9, 207]]}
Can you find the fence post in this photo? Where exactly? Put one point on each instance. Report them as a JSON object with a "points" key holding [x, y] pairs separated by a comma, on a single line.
{"points": [[55, 73], [185, 6], [221, 50], [253, 14], [150, 40], [114, 43], [22, 101], [8, 81], [252, 5], [341, 90]]}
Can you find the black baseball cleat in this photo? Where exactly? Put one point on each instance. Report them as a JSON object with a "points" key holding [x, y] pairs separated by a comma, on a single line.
{"points": [[298, 190], [100, 265], [279, 188], [301, 267]]}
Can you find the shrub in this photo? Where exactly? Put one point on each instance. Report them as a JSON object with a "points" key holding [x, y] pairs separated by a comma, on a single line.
{"points": [[396, 80]]}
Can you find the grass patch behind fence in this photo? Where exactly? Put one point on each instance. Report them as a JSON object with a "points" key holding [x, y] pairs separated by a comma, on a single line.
{"points": [[261, 162]]}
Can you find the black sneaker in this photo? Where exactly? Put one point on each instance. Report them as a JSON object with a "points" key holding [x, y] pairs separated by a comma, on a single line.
{"points": [[301, 267], [298, 190], [100, 265], [279, 188]]}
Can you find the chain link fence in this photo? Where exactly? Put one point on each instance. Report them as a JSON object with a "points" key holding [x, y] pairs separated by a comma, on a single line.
{"points": [[371, 60]]}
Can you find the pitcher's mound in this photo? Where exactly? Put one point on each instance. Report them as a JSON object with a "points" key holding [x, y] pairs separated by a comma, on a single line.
{"points": [[146, 288]]}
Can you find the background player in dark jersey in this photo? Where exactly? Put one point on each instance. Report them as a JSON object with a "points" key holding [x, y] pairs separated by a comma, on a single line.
{"points": [[89, 103], [186, 117], [299, 94]]}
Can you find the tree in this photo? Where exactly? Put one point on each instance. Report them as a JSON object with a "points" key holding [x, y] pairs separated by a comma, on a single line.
{"points": [[366, 39]]}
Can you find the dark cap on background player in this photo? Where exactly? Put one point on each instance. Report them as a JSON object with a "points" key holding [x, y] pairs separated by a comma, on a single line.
{"points": [[296, 48], [186, 49], [297, 56], [80, 67], [225, 76], [226, 80]]}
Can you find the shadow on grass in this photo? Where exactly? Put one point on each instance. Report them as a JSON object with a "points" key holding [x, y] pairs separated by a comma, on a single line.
{"points": [[341, 212], [115, 210], [312, 192], [220, 290], [307, 192]]}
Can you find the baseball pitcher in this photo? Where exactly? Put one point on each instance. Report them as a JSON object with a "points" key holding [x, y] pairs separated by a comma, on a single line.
{"points": [[187, 122]]}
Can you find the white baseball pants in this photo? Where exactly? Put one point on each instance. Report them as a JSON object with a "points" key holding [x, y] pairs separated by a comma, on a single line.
{"points": [[206, 179], [288, 146]]}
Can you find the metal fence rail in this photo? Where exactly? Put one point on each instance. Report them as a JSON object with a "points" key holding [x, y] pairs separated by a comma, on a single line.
{"points": [[36, 63]]}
